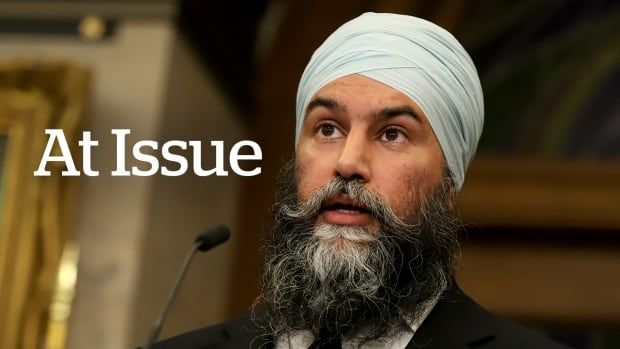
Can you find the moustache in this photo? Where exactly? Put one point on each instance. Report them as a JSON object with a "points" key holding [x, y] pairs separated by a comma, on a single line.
{"points": [[358, 193]]}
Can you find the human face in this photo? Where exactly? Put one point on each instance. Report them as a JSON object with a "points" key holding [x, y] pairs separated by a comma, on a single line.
{"points": [[362, 215], [358, 128]]}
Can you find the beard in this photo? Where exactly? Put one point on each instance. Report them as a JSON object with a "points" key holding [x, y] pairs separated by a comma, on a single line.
{"points": [[359, 282]]}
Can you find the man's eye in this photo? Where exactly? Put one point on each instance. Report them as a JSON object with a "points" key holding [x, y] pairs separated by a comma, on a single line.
{"points": [[328, 131], [393, 135]]}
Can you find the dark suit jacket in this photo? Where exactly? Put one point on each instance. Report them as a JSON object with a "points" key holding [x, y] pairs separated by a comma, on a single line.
{"points": [[456, 321]]}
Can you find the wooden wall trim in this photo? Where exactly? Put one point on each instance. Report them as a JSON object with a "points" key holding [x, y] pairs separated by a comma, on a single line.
{"points": [[525, 192], [544, 284]]}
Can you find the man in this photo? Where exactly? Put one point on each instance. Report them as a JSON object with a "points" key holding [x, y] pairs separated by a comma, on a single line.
{"points": [[362, 253]]}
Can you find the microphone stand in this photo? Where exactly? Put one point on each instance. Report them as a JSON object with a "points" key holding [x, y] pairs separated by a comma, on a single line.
{"points": [[203, 242], [162, 314]]}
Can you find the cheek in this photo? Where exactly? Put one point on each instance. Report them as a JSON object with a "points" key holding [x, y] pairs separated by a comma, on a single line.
{"points": [[396, 187], [405, 186], [312, 172], [301, 178]]}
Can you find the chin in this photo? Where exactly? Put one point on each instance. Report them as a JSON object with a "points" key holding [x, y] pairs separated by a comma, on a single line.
{"points": [[345, 239], [344, 244]]}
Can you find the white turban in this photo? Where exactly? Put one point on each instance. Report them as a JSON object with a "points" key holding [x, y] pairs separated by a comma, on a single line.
{"points": [[415, 57]]}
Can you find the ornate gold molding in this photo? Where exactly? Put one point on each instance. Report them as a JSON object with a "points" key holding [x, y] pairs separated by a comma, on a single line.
{"points": [[35, 215]]}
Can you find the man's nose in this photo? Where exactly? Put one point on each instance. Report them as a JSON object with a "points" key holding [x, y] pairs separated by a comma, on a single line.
{"points": [[353, 162]]}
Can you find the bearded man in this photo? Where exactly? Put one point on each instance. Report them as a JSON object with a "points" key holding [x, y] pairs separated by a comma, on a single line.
{"points": [[363, 249]]}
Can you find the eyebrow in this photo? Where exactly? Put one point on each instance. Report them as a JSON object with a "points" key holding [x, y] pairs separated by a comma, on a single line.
{"points": [[385, 113], [328, 103], [391, 112]]}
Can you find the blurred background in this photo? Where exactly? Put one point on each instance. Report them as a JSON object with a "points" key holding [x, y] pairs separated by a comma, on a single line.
{"points": [[86, 262]]}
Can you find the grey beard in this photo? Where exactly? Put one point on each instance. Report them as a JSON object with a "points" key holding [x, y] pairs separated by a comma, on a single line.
{"points": [[371, 281]]}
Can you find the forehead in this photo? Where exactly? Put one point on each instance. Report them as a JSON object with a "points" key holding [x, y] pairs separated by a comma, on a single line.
{"points": [[363, 95], [352, 85]]}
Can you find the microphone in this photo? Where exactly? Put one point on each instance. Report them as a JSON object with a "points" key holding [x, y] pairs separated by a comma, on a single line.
{"points": [[213, 237], [204, 242]]}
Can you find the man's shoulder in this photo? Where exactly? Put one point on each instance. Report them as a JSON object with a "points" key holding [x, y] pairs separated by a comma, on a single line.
{"points": [[240, 332], [509, 334], [468, 323]]}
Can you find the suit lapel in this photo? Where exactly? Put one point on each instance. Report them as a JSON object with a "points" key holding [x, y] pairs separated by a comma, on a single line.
{"points": [[455, 322]]}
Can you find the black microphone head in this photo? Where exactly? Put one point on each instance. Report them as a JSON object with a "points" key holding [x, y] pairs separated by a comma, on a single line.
{"points": [[212, 237]]}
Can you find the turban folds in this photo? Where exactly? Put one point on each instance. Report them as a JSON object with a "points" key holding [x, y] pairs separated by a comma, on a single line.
{"points": [[415, 57]]}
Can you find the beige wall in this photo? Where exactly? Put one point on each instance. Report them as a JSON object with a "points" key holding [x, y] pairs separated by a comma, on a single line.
{"points": [[181, 208]]}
